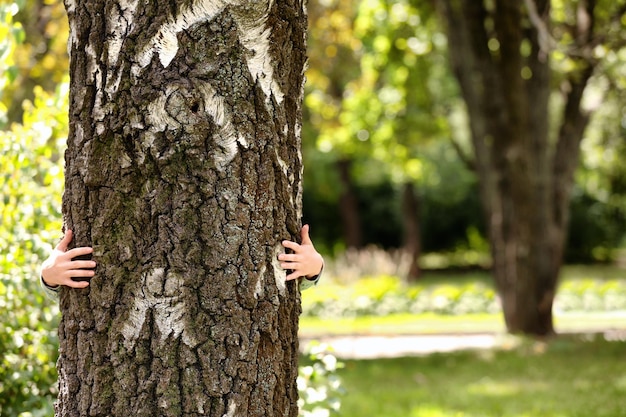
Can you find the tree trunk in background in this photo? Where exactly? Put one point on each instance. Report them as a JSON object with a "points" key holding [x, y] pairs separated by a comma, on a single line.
{"points": [[503, 69], [349, 206], [183, 171], [412, 231]]}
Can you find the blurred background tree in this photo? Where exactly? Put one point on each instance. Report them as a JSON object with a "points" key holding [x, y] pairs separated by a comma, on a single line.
{"points": [[382, 101], [524, 71], [378, 98]]}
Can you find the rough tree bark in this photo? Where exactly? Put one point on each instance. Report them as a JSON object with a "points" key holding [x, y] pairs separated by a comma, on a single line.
{"points": [[500, 55], [183, 171]]}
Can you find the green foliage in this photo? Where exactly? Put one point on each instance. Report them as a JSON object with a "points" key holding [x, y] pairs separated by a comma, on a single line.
{"points": [[450, 213], [380, 93], [32, 180], [601, 177], [597, 224], [41, 59], [590, 295], [30, 218], [28, 342], [376, 68], [377, 79], [600, 197], [11, 35], [567, 377]]}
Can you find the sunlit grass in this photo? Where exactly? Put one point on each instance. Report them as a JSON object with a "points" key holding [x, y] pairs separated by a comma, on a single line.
{"points": [[402, 324], [567, 378]]}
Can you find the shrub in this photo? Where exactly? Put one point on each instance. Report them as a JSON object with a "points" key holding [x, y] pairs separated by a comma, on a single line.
{"points": [[29, 343], [591, 295], [319, 386], [31, 179], [363, 283]]}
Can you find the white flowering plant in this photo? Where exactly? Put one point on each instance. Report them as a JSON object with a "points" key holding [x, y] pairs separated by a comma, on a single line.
{"points": [[319, 385]]}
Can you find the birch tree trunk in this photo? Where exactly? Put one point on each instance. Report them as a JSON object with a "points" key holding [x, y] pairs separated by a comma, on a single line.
{"points": [[183, 171]]}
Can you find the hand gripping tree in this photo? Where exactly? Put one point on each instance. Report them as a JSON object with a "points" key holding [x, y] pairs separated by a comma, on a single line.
{"points": [[183, 171]]}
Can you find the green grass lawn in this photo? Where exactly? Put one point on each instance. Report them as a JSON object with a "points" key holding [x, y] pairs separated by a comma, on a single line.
{"points": [[572, 375], [569, 377]]}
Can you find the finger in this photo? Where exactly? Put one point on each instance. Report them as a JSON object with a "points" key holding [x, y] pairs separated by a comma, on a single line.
{"points": [[73, 253], [290, 257], [306, 240], [290, 245], [76, 284], [290, 265], [82, 265], [64, 243], [293, 275], [80, 273]]}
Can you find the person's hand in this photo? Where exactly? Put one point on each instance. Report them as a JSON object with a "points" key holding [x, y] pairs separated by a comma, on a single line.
{"points": [[59, 268], [305, 261]]}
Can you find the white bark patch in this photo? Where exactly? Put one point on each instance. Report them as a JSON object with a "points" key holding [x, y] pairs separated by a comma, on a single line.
{"points": [[159, 293], [285, 170], [147, 142], [115, 39], [98, 111], [118, 26], [158, 118], [255, 36], [232, 407], [70, 7], [253, 31], [301, 174], [258, 289], [79, 136], [94, 71], [251, 19], [165, 42], [280, 275], [72, 39], [283, 166], [226, 137]]}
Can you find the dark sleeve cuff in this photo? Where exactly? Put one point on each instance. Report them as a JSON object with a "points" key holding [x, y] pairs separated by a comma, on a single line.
{"points": [[51, 292], [306, 282]]}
